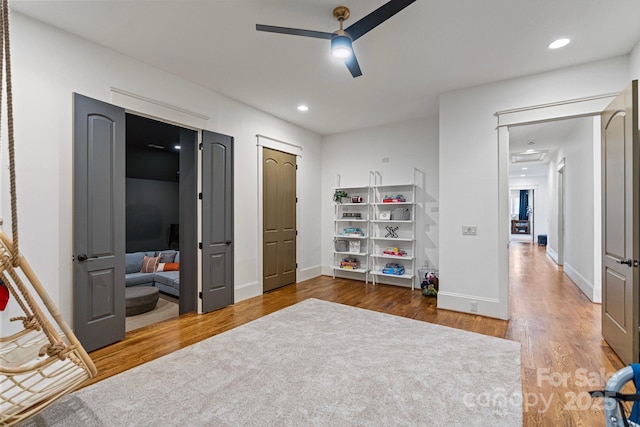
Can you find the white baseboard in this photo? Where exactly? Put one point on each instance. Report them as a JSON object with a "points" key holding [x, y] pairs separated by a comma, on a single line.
{"points": [[582, 283], [246, 291], [309, 273], [553, 254], [254, 289], [488, 307]]}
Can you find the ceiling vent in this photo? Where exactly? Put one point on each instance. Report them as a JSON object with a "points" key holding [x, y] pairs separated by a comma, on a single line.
{"points": [[528, 156]]}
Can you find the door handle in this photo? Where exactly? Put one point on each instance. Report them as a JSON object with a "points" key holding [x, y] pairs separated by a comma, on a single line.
{"points": [[228, 242], [629, 262], [84, 257]]}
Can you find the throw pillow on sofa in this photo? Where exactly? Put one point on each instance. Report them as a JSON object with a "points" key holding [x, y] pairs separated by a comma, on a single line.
{"points": [[133, 262], [171, 266], [167, 256], [149, 264]]}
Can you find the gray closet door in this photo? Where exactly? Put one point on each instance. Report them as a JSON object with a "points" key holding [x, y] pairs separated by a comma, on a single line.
{"points": [[217, 221], [99, 222]]}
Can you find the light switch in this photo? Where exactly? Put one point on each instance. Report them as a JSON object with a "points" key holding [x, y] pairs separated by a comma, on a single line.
{"points": [[469, 230]]}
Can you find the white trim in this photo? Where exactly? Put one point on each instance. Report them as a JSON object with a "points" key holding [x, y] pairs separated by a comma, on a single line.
{"points": [[246, 291], [597, 210], [277, 144], [555, 110], [490, 307], [158, 109], [552, 254], [582, 107], [524, 187], [308, 273], [581, 283]]}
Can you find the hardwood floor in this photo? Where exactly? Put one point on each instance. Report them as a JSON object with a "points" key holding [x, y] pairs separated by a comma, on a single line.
{"points": [[563, 354]]}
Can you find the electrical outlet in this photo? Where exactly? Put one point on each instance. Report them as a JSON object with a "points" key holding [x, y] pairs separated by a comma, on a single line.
{"points": [[474, 306], [469, 230], [385, 160]]}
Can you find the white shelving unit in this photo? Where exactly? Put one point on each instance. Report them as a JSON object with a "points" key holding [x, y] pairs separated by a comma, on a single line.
{"points": [[393, 232], [352, 214]]}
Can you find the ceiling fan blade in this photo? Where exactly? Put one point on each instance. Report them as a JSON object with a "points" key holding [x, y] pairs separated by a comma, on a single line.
{"points": [[294, 31], [353, 66], [375, 18]]}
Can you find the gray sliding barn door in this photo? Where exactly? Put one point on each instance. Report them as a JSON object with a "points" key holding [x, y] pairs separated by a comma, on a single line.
{"points": [[217, 221], [99, 222]]}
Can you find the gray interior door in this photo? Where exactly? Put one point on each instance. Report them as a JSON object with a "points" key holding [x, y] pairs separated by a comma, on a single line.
{"points": [[99, 222], [620, 163], [217, 221], [188, 219], [279, 219]]}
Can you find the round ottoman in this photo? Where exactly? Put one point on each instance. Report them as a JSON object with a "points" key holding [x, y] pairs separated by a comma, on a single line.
{"points": [[140, 299]]}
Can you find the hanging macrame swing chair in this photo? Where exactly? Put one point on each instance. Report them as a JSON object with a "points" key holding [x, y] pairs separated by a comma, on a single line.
{"points": [[40, 363]]}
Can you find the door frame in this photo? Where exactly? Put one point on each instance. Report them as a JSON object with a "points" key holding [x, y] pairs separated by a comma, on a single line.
{"points": [[561, 181], [581, 107], [289, 148], [167, 113], [532, 188]]}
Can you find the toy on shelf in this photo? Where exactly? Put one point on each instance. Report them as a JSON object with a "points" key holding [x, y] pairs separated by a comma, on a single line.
{"points": [[354, 215], [356, 199], [394, 199], [395, 252], [392, 232], [350, 263], [393, 268], [352, 231]]}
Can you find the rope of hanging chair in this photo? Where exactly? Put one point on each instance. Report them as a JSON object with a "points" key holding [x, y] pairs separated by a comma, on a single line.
{"points": [[5, 57], [30, 303]]}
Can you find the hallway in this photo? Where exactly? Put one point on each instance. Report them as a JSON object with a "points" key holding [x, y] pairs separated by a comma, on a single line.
{"points": [[563, 353]]}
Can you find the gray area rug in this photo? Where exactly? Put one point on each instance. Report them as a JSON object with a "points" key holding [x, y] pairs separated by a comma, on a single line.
{"points": [[314, 363]]}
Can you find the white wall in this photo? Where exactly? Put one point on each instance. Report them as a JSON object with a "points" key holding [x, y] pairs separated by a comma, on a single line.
{"points": [[48, 66], [407, 145], [541, 201], [577, 150], [634, 63], [469, 163]]}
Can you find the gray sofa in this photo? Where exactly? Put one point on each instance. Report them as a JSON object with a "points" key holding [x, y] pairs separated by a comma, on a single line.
{"points": [[166, 281]]}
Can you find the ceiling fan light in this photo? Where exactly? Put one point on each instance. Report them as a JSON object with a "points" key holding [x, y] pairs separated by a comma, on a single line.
{"points": [[341, 46]]}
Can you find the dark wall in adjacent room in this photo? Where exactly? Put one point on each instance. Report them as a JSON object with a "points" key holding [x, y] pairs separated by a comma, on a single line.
{"points": [[152, 191], [152, 206]]}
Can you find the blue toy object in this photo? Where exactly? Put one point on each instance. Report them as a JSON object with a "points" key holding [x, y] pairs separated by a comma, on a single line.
{"points": [[393, 268]]}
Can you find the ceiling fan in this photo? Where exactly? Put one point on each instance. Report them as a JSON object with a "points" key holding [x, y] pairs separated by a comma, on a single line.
{"points": [[342, 39]]}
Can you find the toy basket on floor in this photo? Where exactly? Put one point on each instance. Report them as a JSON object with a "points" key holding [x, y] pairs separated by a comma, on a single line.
{"points": [[37, 364]]}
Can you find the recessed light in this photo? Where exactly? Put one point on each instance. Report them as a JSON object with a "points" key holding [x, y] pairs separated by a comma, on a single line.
{"points": [[177, 147], [531, 151], [523, 175], [524, 169], [303, 108], [559, 43]]}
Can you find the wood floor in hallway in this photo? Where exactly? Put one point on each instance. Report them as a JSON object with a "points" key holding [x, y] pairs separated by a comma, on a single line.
{"points": [[563, 353]]}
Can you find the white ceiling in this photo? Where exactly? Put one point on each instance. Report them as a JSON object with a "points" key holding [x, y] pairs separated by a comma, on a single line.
{"points": [[431, 47], [546, 137]]}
